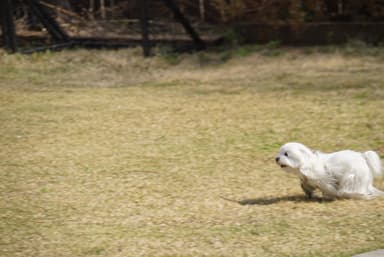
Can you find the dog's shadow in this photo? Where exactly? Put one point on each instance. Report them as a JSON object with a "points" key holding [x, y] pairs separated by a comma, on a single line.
{"points": [[275, 200]]}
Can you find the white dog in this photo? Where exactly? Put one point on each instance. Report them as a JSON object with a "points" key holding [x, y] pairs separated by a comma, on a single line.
{"points": [[343, 174]]}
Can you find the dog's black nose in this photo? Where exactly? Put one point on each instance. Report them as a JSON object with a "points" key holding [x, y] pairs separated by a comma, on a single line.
{"points": [[277, 159]]}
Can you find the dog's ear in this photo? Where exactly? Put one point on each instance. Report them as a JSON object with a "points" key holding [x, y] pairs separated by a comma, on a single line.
{"points": [[303, 155], [306, 160], [308, 153]]}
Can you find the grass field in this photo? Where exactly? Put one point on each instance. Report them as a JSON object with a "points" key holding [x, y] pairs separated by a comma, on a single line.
{"points": [[104, 153]]}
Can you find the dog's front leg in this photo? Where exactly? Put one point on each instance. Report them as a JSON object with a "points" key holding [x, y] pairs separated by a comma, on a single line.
{"points": [[307, 188]]}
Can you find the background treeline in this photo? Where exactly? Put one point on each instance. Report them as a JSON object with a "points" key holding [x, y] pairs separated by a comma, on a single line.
{"points": [[230, 11]]}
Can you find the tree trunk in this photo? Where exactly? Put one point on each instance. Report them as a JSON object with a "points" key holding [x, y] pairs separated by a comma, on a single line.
{"points": [[111, 8], [102, 9], [91, 9], [340, 7], [199, 44], [202, 10]]}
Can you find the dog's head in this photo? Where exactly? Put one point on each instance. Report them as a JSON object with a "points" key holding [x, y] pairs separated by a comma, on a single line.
{"points": [[292, 157]]}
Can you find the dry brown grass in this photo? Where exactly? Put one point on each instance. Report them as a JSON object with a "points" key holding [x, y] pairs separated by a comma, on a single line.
{"points": [[106, 154]]}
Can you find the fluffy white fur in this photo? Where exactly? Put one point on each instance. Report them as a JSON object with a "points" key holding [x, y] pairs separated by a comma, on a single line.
{"points": [[343, 174]]}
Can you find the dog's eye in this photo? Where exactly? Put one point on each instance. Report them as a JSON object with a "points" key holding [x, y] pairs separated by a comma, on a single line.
{"points": [[286, 154]]}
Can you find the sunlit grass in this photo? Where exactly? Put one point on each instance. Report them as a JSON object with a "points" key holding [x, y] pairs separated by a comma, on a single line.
{"points": [[107, 154]]}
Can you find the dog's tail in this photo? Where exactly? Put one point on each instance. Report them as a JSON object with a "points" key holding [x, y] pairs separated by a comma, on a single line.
{"points": [[374, 163]]}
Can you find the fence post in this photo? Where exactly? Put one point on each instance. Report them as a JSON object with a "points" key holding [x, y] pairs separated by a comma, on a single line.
{"points": [[8, 25], [146, 44]]}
